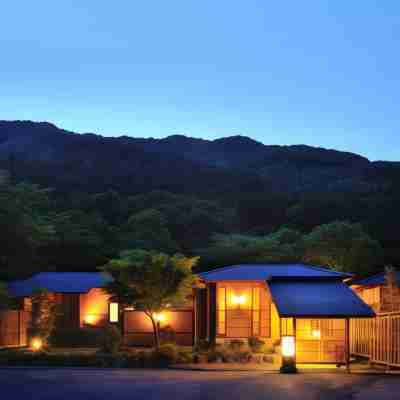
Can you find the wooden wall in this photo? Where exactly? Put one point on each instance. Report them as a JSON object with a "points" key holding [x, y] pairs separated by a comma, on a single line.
{"points": [[381, 298], [377, 338], [178, 326], [94, 305], [13, 328]]}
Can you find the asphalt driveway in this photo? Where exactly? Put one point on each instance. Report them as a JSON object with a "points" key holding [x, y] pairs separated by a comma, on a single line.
{"points": [[85, 384]]}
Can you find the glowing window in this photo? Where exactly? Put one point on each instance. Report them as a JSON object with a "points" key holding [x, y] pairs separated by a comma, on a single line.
{"points": [[221, 312], [114, 312]]}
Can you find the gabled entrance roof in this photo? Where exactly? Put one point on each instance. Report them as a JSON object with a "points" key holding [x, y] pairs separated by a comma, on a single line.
{"points": [[324, 298]]}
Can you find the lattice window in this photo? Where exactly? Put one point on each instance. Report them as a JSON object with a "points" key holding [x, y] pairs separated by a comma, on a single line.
{"points": [[242, 311]]}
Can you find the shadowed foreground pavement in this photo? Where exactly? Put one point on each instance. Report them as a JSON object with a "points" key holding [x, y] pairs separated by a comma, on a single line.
{"points": [[85, 384]]}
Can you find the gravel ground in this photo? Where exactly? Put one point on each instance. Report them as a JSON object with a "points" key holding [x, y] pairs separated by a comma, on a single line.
{"points": [[88, 384]]}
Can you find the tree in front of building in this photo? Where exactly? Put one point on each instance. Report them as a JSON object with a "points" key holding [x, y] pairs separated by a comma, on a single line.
{"points": [[151, 282], [43, 318]]}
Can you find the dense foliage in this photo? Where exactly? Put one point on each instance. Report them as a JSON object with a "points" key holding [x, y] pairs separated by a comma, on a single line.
{"points": [[227, 200], [151, 282]]}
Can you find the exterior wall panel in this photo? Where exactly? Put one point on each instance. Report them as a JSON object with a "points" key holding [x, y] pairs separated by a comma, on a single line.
{"points": [[178, 325], [93, 308]]}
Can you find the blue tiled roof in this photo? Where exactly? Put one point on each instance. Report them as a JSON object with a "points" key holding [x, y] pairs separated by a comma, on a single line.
{"points": [[269, 271], [378, 279], [59, 282], [323, 298]]}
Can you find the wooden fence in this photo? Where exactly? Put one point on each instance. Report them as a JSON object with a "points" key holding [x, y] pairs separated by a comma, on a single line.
{"points": [[13, 328], [377, 338]]}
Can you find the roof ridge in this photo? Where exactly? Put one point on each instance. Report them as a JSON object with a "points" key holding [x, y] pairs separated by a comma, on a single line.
{"points": [[220, 268], [278, 265], [320, 268]]}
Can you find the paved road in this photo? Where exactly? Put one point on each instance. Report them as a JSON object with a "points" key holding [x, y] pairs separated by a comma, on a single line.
{"points": [[84, 384]]}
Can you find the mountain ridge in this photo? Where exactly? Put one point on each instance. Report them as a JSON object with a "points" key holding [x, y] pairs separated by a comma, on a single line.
{"points": [[179, 162]]}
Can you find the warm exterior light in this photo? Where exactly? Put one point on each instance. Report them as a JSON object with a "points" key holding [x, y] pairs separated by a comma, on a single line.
{"points": [[239, 300], [36, 344], [288, 346], [316, 334], [159, 317], [288, 355], [114, 312], [90, 319]]}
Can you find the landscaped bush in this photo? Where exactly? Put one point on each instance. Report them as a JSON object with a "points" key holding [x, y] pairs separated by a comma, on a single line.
{"points": [[111, 339], [167, 335], [162, 358], [202, 346], [256, 345], [236, 353], [77, 337], [185, 357], [166, 355], [237, 345]]}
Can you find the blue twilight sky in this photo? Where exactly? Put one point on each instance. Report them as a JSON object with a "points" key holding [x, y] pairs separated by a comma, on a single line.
{"points": [[323, 73]]}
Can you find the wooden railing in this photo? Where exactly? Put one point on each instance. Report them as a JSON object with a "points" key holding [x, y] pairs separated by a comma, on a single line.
{"points": [[377, 338]]}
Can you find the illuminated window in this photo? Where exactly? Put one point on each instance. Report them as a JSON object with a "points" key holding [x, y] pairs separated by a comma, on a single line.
{"points": [[114, 312], [221, 312], [256, 311]]}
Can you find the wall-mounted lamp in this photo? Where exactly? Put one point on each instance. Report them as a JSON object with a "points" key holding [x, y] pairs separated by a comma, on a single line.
{"points": [[239, 300], [159, 317], [90, 319], [316, 334]]}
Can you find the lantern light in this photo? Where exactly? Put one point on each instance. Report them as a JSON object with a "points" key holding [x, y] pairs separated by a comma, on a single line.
{"points": [[36, 344], [90, 319], [288, 354], [288, 346], [239, 300], [113, 312], [159, 317], [316, 333]]}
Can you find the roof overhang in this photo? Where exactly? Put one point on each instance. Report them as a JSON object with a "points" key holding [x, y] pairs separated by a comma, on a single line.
{"points": [[317, 299]]}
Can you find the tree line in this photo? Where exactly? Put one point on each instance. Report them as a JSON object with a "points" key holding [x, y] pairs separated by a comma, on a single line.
{"points": [[43, 230]]}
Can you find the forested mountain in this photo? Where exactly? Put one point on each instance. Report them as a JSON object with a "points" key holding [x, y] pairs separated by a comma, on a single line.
{"points": [[175, 194], [179, 163]]}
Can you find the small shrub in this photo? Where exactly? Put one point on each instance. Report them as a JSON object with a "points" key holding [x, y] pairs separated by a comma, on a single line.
{"points": [[165, 355], [237, 345], [256, 345], [111, 340], [202, 346], [200, 358], [229, 353], [167, 335], [269, 349], [77, 337], [185, 357], [133, 359]]}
